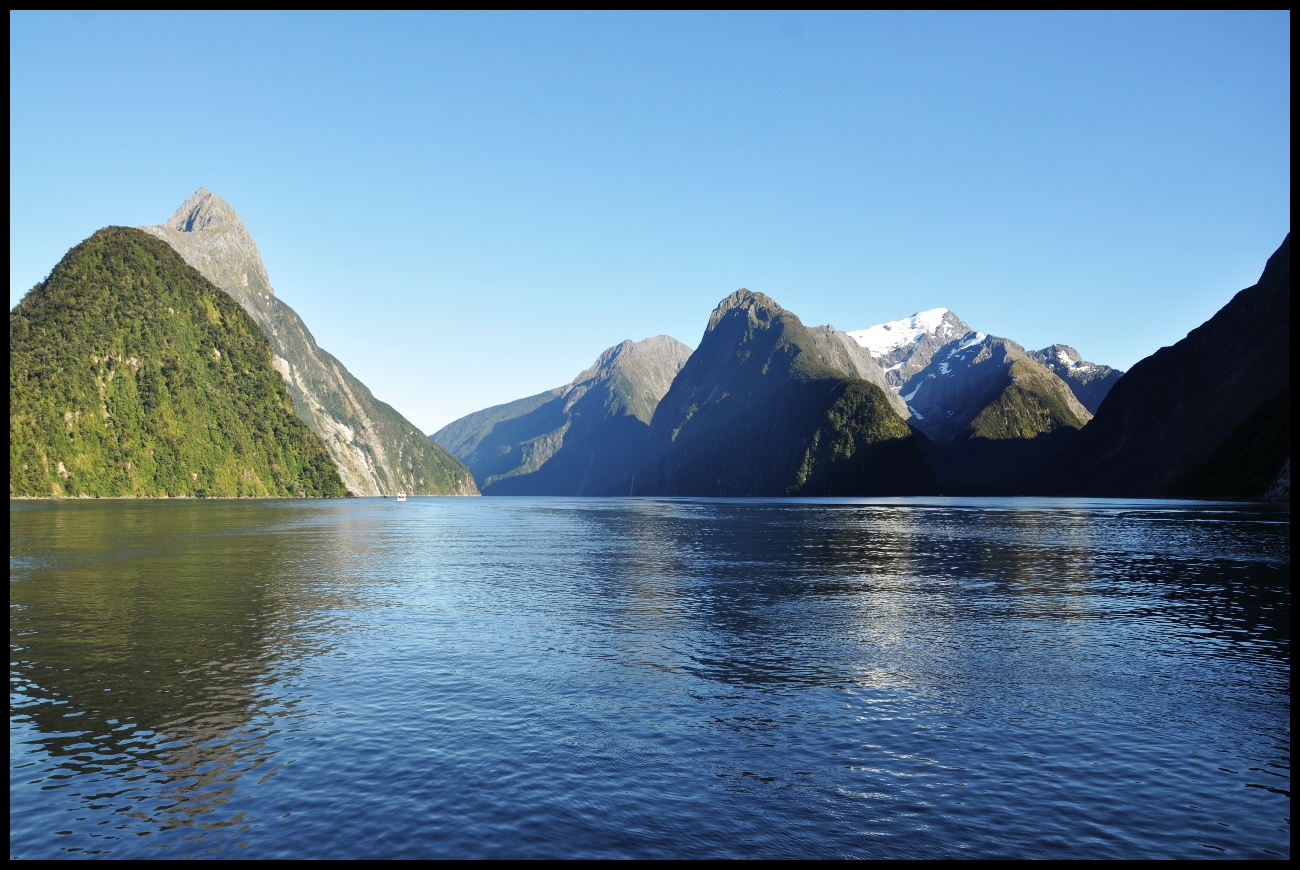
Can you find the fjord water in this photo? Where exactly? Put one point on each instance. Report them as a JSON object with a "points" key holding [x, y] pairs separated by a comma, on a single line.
{"points": [[649, 678]]}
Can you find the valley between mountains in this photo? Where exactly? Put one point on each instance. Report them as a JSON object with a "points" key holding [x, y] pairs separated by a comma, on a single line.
{"points": [[158, 361]]}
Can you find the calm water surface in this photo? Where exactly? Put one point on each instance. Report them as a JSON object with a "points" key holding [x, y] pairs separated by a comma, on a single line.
{"points": [[649, 678]]}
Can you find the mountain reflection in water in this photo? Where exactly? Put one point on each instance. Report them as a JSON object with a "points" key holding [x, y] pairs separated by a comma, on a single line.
{"points": [[649, 678]]}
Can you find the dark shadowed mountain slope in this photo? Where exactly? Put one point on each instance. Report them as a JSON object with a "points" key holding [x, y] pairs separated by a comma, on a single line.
{"points": [[1090, 382], [376, 449], [130, 374], [1249, 463], [1174, 408], [761, 409], [585, 438]]}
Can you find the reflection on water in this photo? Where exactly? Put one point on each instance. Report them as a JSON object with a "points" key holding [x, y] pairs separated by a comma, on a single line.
{"points": [[649, 678]]}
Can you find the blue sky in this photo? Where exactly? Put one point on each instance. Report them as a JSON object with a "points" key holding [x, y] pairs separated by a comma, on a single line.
{"points": [[467, 209]]}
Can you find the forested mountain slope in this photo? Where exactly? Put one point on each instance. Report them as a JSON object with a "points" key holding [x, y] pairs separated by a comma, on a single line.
{"points": [[761, 409], [376, 449], [130, 374]]}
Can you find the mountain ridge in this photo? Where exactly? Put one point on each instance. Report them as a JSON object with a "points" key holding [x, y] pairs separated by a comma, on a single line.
{"points": [[376, 449], [761, 409], [584, 438]]}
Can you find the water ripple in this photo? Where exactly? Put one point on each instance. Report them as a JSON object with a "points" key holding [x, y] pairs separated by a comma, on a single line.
{"points": [[650, 678]]}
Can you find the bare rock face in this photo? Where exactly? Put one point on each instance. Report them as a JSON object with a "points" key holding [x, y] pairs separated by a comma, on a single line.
{"points": [[376, 449]]}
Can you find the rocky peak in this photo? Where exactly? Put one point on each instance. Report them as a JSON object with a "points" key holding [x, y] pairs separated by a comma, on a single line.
{"points": [[759, 306], [643, 370], [899, 336], [209, 235], [204, 210], [1090, 382], [1069, 353], [905, 347]]}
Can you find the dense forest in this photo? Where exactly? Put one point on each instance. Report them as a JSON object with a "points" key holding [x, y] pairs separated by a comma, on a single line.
{"points": [[130, 374]]}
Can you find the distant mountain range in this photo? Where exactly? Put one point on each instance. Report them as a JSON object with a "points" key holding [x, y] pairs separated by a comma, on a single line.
{"points": [[768, 406], [585, 438], [979, 409]]}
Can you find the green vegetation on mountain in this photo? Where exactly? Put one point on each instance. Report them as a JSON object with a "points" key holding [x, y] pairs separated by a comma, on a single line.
{"points": [[759, 409], [377, 451], [131, 375], [1026, 415], [860, 446], [1030, 404], [1247, 463]]}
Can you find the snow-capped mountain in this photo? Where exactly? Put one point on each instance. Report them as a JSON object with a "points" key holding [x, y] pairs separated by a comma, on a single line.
{"points": [[1090, 382], [946, 373], [904, 347]]}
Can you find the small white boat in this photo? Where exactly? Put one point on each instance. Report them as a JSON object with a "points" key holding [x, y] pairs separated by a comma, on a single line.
{"points": [[401, 496]]}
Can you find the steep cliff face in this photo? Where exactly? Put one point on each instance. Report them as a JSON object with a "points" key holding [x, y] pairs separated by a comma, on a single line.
{"points": [[1174, 409], [585, 438], [377, 451], [130, 374], [763, 407]]}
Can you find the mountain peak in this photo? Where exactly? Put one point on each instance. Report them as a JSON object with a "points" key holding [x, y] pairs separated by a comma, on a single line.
{"points": [[206, 231], [1063, 354], [633, 353], [204, 210], [1089, 381], [746, 300], [883, 338]]}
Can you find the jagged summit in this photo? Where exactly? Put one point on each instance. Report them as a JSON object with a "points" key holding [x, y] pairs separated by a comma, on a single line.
{"points": [[745, 300], [650, 364], [377, 451], [208, 233], [1091, 382], [204, 210], [1065, 355]]}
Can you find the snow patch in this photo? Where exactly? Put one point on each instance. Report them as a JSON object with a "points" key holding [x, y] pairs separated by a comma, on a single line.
{"points": [[971, 342], [885, 337], [943, 369], [914, 413], [1064, 359], [909, 396]]}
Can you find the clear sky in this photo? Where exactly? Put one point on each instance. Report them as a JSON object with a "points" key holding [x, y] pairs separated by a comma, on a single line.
{"points": [[467, 209]]}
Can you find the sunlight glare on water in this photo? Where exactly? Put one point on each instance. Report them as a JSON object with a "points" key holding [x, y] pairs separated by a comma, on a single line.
{"points": [[650, 678]]}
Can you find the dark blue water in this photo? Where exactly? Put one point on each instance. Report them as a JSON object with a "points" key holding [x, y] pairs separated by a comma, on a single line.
{"points": [[649, 678]]}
